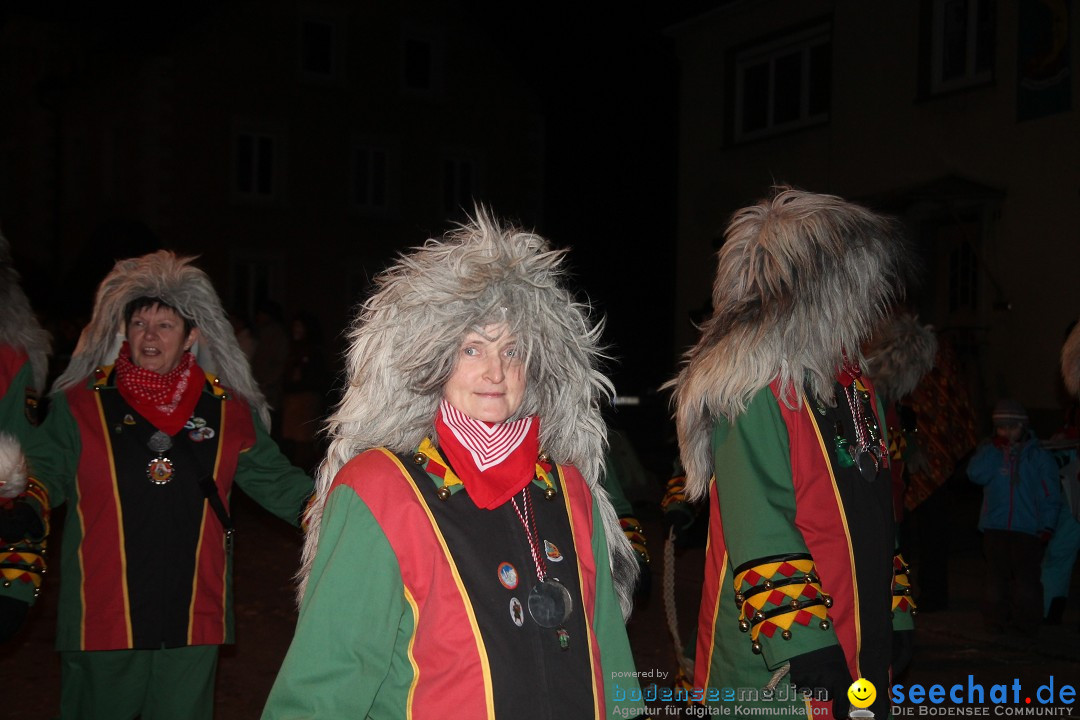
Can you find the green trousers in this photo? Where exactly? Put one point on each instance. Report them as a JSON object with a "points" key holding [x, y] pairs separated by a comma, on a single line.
{"points": [[167, 684]]}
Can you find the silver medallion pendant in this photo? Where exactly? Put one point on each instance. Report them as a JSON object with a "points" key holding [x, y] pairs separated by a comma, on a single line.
{"points": [[866, 460], [550, 603], [159, 442]]}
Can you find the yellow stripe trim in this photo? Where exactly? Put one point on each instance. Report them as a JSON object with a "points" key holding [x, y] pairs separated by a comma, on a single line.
{"points": [[120, 532], [581, 585], [847, 537], [409, 653], [489, 699]]}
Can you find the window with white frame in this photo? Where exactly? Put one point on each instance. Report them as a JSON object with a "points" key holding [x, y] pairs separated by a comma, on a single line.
{"points": [[370, 178], [255, 155], [783, 84], [961, 44]]}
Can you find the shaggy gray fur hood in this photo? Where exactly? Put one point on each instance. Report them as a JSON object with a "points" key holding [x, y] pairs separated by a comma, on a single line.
{"points": [[19, 327], [900, 353], [802, 278]]}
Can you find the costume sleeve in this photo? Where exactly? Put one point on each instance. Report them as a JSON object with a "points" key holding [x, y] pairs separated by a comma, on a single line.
{"points": [[616, 660], [628, 521], [985, 464], [903, 606], [52, 453], [352, 617], [16, 404], [783, 606], [264, 473]]}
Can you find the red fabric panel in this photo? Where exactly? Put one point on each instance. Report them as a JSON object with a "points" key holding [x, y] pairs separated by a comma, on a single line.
{"points": [[443, 629], [820, 518], [11, 361], [101, 551], [207, 624], [715, 560], [581, 506]]}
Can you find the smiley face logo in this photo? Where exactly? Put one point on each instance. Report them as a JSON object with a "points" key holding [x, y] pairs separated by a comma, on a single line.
{"points": [[862, 693]]}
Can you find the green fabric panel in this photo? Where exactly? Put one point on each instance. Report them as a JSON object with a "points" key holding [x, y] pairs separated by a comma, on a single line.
{"points": [[53, 451], [616, 658], [12, 405], [167, 684], [613, 484], [752, 461], [264, 473], [348, 657]]}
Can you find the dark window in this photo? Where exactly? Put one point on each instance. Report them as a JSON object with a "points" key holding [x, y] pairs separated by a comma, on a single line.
{"points": [[783, 84], [962, 36], [369, 178], [458, 185], [317, 47], [418, 59], [254, 164]]}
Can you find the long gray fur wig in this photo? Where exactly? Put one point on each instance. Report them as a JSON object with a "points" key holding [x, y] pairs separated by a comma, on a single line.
{"points": [[899, 354], [405, 340], [802, 279], [186, 288], [1070, 361], [19, 327]]}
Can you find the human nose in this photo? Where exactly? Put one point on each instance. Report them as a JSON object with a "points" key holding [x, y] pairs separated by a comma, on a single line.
{"points": [[494, 370]]}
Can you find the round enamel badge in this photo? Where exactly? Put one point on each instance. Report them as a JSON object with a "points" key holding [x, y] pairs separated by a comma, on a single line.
{"points": [[517, 613], [508, 576], [160, 470]]}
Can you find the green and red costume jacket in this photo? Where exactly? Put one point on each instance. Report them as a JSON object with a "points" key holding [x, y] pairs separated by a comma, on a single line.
{"points": [[417, 603], [146, 565], [22, 560], [801, 551]]}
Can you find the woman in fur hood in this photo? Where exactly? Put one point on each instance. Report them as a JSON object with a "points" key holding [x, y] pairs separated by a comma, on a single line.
{"points": [[781, 431], [462, 556], [154, 420]]}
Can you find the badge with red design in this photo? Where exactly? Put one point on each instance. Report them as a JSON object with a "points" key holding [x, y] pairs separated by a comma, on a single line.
{"points": [[160, 470]]}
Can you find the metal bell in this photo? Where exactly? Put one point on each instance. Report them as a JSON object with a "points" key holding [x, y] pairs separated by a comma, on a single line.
{"points": [[443, 493]]}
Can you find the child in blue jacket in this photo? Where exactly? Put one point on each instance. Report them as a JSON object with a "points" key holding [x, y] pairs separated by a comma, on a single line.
{"points": [[1021, 498]]}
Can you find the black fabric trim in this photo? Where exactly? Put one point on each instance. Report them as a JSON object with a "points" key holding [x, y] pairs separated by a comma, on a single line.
{"points": [[750, 564]]}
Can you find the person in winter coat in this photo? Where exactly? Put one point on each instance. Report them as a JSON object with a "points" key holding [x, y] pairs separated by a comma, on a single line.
{"points": [[1021, 498]]}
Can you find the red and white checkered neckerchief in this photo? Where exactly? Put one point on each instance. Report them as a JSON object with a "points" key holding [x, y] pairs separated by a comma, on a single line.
{"points": [[161, 391]]}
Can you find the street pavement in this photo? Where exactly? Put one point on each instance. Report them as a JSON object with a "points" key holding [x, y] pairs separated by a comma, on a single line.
{"points": [[950, 644]]}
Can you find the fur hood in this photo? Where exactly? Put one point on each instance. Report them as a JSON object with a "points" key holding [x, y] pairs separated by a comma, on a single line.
{"points": [[1070, 361], [802, 278], [19, 327], [186, 288], [405, 340], [900, 353]]}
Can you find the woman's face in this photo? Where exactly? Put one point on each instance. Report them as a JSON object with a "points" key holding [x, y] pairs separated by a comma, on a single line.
{"points": [[488, 382], [157, 339]]}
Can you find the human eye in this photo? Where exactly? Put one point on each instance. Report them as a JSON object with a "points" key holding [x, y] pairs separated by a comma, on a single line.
{"points": [[470, 350]]}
